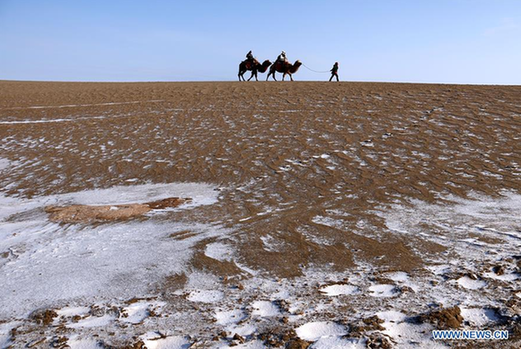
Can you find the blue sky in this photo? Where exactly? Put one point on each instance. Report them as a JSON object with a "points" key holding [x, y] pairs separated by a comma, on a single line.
{"points": [[448, 41]]}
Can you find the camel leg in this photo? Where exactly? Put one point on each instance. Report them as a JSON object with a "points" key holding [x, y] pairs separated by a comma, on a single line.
{"points": [[291, 77], [283, 76], [251, 75], [254, 74]]}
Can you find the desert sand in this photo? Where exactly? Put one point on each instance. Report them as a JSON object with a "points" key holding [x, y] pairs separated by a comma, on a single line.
{"points": [[334, 203]]}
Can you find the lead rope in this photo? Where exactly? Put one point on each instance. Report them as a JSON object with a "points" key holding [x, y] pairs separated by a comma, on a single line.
{"points": [[316, 71]]}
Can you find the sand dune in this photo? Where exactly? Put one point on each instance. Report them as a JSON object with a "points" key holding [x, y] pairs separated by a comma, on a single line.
{"points": [[317, 183]]}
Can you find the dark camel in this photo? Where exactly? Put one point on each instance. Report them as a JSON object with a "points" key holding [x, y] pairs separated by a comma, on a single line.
{"points": [[284, 68], [255, 67]]}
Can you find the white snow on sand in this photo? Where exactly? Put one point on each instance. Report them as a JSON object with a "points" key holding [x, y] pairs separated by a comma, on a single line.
{"points": [[242, 330], [50, 264], [256, 344], [405, 334], [5, 336], [383, 290], [93, 321], [4, 164], [219, 251], [205, 296], [340, 289], [174, 342], [471, 284], [230, 316], [265, 309], [313, 331], [479, 317], [75, 343], [137, 312], [200, 193], [72, 311], [398, 276], [339, 343], [508, 275], [81, 105]]}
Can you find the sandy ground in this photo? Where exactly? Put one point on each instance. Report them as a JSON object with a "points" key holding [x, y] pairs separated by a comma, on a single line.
{"points": [[404, 199]]}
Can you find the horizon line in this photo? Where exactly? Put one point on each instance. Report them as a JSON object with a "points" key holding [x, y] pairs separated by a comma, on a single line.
{"points": [[261, 81]]}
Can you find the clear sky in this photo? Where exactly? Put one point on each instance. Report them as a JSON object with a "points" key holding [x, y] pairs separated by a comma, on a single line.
{"points": [[448, 41]]}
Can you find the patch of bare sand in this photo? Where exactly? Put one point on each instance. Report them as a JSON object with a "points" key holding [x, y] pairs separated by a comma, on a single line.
{"points": [[90, 213]]}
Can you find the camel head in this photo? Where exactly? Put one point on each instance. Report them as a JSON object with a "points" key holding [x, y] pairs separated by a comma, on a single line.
{"points": [[295, 66], [264, 66]]}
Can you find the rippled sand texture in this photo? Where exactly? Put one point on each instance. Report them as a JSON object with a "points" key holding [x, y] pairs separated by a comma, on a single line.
{"points": [[289, 151], [304, 169]]}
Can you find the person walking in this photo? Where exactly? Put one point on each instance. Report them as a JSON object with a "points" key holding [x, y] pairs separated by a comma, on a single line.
{"points": [[334, 72]]}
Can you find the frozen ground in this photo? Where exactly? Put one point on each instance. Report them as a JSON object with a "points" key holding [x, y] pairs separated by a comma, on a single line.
{"points": [[97, 279], [346, 215]]}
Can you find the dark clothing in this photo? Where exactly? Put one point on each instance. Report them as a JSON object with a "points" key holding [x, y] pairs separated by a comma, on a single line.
{"points": [[334, 72], [249, 56]]}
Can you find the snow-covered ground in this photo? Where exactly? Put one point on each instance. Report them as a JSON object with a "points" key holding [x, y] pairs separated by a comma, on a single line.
{"points": [[48, 263], [88, 273]]}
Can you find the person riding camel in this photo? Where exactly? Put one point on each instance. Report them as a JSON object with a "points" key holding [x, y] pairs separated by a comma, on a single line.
{"points": [[282, 57], [250, 59]]}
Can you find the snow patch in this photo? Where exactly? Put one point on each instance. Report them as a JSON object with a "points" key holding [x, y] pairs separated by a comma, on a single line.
{"points": [[230, 316], [93, 321], [4, 163], [174, 342], [219, 251], [75, 343], [137, 312], [383, 290], [205, 296], [406, 334], [265, 309], [471, 284], [313, 331], [479, 317], [339, 343], [340, 289], [46, 254]]}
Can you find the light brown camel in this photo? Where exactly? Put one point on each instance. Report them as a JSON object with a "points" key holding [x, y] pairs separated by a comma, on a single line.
{"points": [[255, 67], [284, 68]]}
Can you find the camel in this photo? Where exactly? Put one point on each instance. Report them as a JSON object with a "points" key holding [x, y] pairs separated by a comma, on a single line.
{"points": [[256, 67], [284, 68]]}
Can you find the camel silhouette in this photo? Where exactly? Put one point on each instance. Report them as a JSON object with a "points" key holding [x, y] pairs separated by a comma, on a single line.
{"points": [[284, 68], [255, 67]]}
